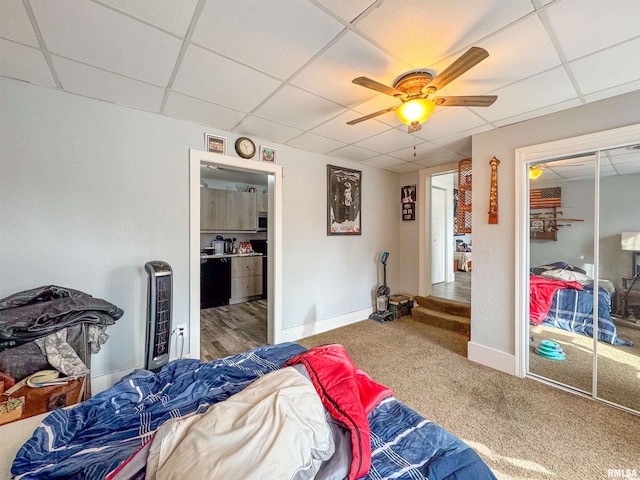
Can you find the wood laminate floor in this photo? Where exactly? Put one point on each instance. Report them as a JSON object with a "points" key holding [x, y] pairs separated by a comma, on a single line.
{"points": [[231, 329], [460, 290]]}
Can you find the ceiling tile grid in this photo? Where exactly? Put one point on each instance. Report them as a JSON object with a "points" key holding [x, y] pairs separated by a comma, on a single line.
{"points": [[283, 70]]}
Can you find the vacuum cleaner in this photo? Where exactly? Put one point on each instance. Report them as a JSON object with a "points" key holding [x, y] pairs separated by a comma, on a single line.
{"points": [[382, 313]]}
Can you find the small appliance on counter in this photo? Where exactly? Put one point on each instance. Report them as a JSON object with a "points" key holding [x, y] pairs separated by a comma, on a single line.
{"points": [[219, 245], [229, 245]]}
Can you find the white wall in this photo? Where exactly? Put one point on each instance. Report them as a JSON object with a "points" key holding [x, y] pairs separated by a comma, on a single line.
{"points": [[90, 191], [493, 277], [406, 261]]}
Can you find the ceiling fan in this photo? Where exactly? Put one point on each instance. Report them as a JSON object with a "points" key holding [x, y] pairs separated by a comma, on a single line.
{"points": [[413, 89]]}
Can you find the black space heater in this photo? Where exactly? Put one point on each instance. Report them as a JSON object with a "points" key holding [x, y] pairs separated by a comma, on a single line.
{"points": [[159, 294]]}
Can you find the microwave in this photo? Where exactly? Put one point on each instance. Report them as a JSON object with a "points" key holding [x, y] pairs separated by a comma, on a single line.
{"points": [[262, 222]]}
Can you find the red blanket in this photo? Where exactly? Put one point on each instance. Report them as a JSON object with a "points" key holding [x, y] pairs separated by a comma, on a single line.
{"points": [[541, 292]]}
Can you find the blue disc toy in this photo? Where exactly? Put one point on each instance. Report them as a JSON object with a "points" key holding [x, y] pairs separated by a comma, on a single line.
{"points": [[551, 350]]}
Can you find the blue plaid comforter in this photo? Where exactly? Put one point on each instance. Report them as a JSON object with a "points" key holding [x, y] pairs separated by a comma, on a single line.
{"points": [[572, 310], [93, 438]]}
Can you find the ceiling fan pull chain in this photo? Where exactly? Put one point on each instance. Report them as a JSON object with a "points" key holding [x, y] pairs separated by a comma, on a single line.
{"points": [[414, 149]]}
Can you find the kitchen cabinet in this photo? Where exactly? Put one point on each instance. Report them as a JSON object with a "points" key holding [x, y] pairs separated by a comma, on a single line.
{"points": [[213, 209], [246, 278], [227, 211], [262, 202], [241, 211]]}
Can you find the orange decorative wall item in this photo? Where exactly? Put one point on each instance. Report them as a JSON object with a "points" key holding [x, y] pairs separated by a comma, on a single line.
{"points": [[464, 196], [493, 192]]}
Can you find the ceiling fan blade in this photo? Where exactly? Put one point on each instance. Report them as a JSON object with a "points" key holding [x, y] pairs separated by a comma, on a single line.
{"points": [[377, 86], [466, 101], [371, 115], [468, 60]]}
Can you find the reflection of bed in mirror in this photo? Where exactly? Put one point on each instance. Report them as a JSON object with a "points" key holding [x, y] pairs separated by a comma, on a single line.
{"points": [[462, 261], [562, 296]]}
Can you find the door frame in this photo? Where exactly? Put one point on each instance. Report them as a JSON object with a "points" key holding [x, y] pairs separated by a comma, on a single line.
{"points": [[607, 139], [424, 223], [274, 236]]}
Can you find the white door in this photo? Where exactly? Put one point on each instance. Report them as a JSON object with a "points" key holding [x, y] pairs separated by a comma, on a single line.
{"points": [[438, 237]]}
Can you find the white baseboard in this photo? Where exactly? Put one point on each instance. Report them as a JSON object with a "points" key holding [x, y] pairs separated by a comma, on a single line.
{"points": [[490, 357], [296, 333]]}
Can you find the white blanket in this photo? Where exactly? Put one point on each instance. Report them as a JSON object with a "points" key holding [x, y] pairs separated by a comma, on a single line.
{"points": [[275, 428]]}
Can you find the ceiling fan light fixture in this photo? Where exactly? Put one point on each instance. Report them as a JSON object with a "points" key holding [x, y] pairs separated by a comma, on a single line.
{"points": [[415, 111], [534, 172]]}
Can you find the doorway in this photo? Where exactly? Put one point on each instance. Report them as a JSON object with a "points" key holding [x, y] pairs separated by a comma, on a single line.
{"points": [[450, 252], [234, 267], [273, 303]]}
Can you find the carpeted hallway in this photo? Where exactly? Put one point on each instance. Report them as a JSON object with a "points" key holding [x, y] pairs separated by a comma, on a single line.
{"points": [[522, 428]]}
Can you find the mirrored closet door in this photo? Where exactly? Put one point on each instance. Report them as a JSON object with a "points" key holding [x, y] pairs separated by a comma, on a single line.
{"points": [[583, 287], [561, 259]]}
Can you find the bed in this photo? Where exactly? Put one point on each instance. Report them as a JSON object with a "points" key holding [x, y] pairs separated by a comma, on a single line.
{"points": [[104, 436], [562, 296]]}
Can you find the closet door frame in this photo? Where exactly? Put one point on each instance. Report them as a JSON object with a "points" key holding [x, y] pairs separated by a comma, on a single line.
{"points": [[583, 144]]}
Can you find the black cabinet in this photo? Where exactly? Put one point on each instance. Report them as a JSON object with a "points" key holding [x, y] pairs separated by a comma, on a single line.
{"points": [[215, 281]]}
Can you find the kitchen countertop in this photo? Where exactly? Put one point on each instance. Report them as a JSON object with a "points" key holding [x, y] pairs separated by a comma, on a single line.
{"points": [[228, 255]]}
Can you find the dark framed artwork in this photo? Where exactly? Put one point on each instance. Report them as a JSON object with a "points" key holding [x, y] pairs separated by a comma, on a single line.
{"points": [[344, 194], [408, 194], [214, 143], [408, 199]]}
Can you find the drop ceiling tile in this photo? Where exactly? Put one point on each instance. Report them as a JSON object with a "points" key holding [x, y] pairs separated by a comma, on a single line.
{"points": [[628, 168], [171, 15], [575, 102], [267, 30], [404, 168], [298, 108], [449, 121], [434, 160], [613, 91], [199, 111], [338, 129], [98, 36], [15, 24], [24, 63], [331, 74], [531, 94], [348, 11], [422, 34], [382, 161], [422, 151], [259, 127], [315, 143], [240, 88], [608, 68], [351, 152], [95, 83], [517, 52], [583, 27], [460, 139], [388, 141]]}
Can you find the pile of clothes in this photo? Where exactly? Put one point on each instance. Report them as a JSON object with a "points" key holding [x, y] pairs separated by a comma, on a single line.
{"points": [[47, 326]]}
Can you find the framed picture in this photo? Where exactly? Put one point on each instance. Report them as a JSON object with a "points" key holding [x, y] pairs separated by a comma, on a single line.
{"points": [[408, 194], [215, 144], [344, 194], [537, 225], [267, 154], [408, 211]]}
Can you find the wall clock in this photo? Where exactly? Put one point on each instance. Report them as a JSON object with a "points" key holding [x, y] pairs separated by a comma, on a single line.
{"points": [[245, 147]]}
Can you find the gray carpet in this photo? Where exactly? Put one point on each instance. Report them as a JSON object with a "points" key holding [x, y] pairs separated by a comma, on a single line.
{"points": [[522, 428]]}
